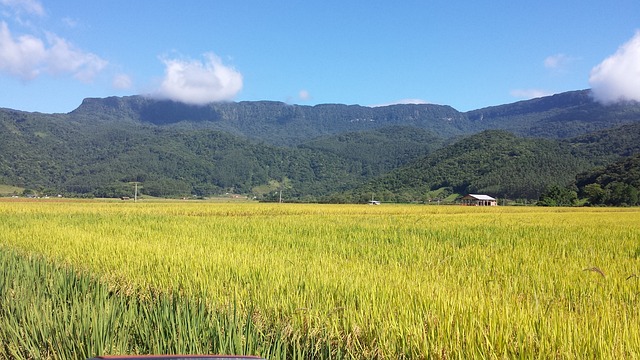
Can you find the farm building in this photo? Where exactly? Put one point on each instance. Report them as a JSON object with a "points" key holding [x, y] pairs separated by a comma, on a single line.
{"points": [[479, 200]]}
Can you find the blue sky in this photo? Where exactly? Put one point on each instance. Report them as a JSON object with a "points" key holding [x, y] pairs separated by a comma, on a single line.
{"points": [[464, 54]]}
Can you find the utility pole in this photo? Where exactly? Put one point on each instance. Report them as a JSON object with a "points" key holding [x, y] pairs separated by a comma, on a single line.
{"points": [[280, 201], [135, 193]]}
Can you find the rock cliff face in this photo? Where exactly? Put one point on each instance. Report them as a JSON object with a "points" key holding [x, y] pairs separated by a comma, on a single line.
{"points": [[274, 122], [559, 116]]}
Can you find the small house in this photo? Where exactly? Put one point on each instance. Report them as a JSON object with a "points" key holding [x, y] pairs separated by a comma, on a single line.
{"points": [[478, 200]]}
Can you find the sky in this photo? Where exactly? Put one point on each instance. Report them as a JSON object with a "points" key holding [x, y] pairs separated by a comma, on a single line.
{"points": [[466, 54]]}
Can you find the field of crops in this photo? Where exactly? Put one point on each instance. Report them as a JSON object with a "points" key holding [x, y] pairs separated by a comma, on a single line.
{"points": [[318, 281]]}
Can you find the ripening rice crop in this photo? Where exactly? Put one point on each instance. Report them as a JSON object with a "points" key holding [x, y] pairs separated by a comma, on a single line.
{"points": [[391, 281]]}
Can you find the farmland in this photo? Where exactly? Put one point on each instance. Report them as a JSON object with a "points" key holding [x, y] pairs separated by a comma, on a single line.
{"points": [[342, 281]]}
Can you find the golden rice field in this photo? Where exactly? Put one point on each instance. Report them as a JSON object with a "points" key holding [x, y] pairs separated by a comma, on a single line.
{"points": [[339, 281]]}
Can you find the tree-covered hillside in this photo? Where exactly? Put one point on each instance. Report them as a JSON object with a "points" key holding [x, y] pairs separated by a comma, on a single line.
{"points": [[34, 147], [102, 158], [381, 150], [616, 184], [492, 162], [326, 152], [605, 146], [562, 115], [559, 116], [273, 122], [503, 165]]}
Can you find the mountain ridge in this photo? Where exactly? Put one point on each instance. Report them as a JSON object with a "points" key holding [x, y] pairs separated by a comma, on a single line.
{"points": [[311, 151], [265, 120], [561, 115]]}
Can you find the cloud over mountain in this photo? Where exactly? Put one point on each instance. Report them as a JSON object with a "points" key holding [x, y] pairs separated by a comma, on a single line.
{"points": [[199, 82], [402, 102], [122, 81], [529, 93], [617, 78]]}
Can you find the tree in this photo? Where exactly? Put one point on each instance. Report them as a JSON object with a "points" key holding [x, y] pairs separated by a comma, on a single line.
{"points": [[618, 184], [558, 196], [621, 194], [596, 194]]}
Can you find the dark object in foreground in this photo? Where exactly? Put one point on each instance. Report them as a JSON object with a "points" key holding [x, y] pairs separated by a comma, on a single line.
{"points": [[176, 357]]}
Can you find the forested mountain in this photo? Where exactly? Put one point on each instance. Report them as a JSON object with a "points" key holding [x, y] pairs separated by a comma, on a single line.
{"points": [[273, 122], [562, 115], [493, 162], [101, 158], [380, 150], [605, 146], [559, 116], [502, 164], [325, 152]]}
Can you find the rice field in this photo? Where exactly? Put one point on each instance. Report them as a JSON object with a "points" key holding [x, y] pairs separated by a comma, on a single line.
{"points": [[318, 281]]}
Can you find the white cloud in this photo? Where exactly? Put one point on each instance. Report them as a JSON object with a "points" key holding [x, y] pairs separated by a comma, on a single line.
{"points": [[557, 61], [122, 81], [21, 57], [529, 93], [402, 102], [64, 58], [304, 95], [28, 56], [69, 22], [32, 7], [199, 83], [617, 78]]}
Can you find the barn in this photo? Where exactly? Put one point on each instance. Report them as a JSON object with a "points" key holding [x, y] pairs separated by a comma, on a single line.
{"points": [[478, 200]]}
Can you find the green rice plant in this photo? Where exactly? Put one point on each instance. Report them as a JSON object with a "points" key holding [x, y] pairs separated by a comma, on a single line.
{"points": [[51, 312]]}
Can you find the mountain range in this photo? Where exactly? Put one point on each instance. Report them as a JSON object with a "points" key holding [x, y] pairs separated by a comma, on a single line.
{"points": [[329, 152]]}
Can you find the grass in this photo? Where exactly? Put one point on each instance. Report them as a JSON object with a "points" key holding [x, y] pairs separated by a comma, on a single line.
{"points": [[8, 190], [356, 281]]}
